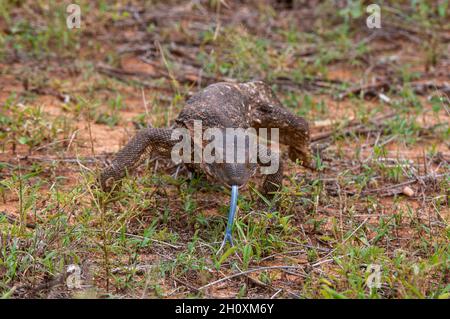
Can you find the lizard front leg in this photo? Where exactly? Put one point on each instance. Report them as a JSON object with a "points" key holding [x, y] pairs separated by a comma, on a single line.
{"points": [[266, 111], [272, 183], [293, 130], [272, 166], [138, 149]]}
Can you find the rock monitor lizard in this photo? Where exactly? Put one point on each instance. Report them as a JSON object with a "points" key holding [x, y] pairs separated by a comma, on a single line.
{"points": [[222, 105]]}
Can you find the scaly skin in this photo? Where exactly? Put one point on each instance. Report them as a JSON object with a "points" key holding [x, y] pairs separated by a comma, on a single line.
{"points": [[221, 105]]}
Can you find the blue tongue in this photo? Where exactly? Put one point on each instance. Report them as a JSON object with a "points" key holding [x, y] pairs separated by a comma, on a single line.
{"points": [[231, 213]]}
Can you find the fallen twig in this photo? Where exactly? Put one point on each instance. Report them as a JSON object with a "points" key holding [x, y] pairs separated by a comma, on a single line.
{"points": [[243, 273], [353, 127], [399, 188]]}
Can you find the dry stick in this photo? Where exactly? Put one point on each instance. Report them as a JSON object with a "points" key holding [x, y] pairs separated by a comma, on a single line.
{"points": [[305, 245], [49, 91], [350, 128], [268, 286], [190, 287], [425, 86], [398, 188], [52, 143], [162, 243], [417, 86], [74, 134], [275, 294], [247, 272], [68, 159], [420, 32], [121, 75], [90, 135], [115, 72], [283, 254], [364, 89]]}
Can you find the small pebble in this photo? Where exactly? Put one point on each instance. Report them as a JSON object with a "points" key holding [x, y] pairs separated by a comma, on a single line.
{"points": [[408, 191]]}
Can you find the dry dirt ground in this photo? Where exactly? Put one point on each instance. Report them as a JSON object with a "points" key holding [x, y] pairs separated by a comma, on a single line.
{"points": [[377, 101]]}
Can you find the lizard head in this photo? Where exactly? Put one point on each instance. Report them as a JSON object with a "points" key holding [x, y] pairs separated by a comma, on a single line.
{"points": [[235, 168], [229, 174]]}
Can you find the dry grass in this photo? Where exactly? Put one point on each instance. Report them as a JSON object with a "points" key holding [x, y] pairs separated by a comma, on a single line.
{"points": [[71, 98]]}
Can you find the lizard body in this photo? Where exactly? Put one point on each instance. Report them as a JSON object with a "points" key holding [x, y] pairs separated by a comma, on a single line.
{"points": [[220, 105], [223, 105]]}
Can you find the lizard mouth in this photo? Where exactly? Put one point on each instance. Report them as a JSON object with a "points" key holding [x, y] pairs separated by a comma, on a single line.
{"points": [[231, 185], [230, 175]]}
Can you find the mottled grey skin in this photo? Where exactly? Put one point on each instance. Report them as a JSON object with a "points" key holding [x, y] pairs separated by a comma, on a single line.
{"points": [[221, 105]]}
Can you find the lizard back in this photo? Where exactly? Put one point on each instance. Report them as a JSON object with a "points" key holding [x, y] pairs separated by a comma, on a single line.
{"points": [[220, 105]]}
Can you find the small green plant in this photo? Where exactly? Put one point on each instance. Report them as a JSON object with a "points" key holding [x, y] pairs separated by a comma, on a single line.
{"points": [[28, 125]]}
